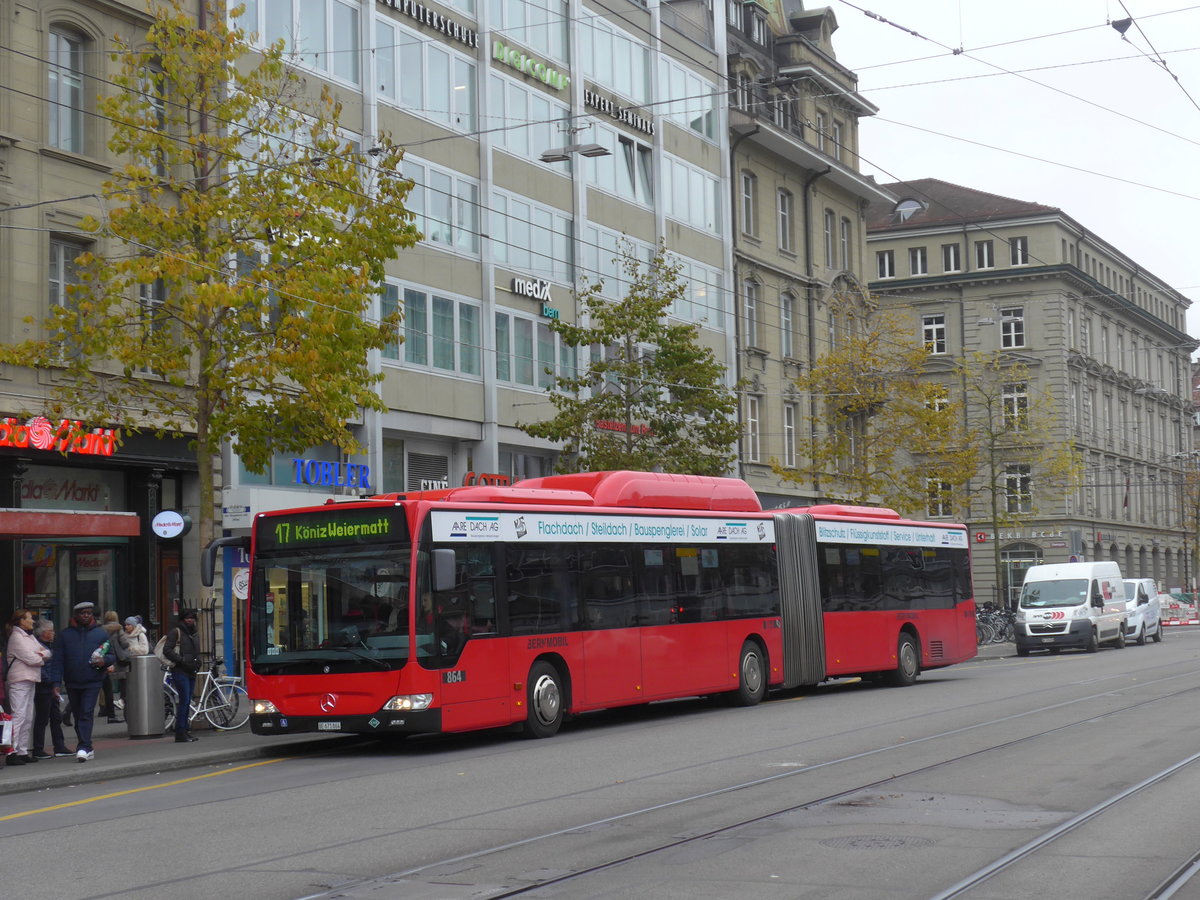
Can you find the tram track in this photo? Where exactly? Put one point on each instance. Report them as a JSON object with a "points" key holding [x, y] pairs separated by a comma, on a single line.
{"points": [[981, 875]]}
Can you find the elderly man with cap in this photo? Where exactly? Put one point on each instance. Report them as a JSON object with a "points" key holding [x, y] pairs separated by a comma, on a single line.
{"points": [[82, 649], [183, 648]]}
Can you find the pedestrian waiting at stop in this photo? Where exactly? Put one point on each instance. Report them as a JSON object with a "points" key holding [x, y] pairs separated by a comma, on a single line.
{"points": [[77, 645], [108, 687], [25, 660], [46, 699], [182, 647]]}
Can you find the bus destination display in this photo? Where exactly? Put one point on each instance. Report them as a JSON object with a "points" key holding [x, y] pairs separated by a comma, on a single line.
{"points": [[332, 526]]}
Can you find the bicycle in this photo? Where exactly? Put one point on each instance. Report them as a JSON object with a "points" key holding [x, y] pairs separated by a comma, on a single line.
{"points": [[223, 700]]}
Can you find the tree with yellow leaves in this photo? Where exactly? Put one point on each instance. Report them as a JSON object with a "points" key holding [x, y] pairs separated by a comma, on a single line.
{"points": [[227, 293]]}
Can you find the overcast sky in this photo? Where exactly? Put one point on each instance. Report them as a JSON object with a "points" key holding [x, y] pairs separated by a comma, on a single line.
{"points": [[1046, 103]]}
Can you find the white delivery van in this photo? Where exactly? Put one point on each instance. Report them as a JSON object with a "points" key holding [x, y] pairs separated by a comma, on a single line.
{"points": [[1079, 605], [1142, 610]]}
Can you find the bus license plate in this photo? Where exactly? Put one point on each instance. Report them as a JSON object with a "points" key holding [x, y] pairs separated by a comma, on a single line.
{"points": [[1047, 640], [329, 726]]}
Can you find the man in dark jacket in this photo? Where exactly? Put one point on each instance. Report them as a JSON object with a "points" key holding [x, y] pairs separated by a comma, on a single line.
{"points": [[75, 646], [183, 648], [46, 693]]}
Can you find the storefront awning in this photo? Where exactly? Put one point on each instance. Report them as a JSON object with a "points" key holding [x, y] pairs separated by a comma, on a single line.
{"points": [[46, 523]]}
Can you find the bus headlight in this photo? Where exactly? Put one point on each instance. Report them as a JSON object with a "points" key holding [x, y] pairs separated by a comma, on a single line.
{"points": [[262, 707], [409, 702]]}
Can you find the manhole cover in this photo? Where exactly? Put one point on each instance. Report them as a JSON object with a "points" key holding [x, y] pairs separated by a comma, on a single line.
{"points": [[875, 842]]}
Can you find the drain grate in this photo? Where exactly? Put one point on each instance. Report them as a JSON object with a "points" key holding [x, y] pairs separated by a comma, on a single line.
{"points": [[876, 842]]}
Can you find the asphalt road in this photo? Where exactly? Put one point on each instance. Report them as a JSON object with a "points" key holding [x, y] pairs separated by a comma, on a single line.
{"points": [[1077, 766]]}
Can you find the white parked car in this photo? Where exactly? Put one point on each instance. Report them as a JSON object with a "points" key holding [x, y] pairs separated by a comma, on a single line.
{"points": [[1143, 611]]}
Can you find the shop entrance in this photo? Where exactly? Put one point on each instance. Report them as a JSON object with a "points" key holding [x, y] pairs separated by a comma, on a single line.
{"points": [[56, 576]]}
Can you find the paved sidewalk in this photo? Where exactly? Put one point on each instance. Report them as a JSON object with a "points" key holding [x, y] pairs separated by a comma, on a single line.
{"points": [[119, 756]]}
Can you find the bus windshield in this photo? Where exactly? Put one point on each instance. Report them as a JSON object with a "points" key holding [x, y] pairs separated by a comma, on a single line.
{"points": [[1042, 594], [343, 609]]}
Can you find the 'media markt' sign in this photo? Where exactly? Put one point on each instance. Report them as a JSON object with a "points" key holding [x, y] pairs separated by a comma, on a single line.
{"points": [[67, 436]]}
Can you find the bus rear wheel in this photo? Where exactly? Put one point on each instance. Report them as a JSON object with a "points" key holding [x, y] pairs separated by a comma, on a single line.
{"points": [[544, 701], [908, 662], [752, 676]]}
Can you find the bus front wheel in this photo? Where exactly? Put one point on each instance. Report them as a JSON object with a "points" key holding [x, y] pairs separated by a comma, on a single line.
{"points": [[544, 701], [908, 662], [752, 676]]}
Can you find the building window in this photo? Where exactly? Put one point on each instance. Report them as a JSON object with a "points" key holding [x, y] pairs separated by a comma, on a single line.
{"points": [[445, 204], [612, 57], [529, 354], [847, 263], [820, 126], [440, 333], [323, 34], [749, 203], [733, 12], [750, 305], [524, 120], [65, 97], [787, 308], [151, 300], [757, 27], [539, 25], [1012, 326], [918, 261], [1085, 335], [1014, 399], [984, 257], [951, 258], [836, 140], [1018, 489], [1018, 249], [933, 333], [694, 105], [529, 237], [753, 429], [830, 247], [885, 261], [789, 434], [787, 236], [938, 493], [63, 271]]}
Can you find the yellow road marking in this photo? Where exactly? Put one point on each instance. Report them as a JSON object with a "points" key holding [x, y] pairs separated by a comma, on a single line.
{"points": [[150, 787]]}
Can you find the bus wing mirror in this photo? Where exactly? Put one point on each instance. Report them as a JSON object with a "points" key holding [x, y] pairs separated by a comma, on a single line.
{"points": [[444, 569], [208, 559]]}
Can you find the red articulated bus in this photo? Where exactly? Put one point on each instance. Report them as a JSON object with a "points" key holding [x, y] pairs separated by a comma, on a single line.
{"points": [[487, 606]]}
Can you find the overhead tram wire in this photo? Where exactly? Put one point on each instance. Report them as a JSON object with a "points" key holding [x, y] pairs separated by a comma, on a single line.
{"points": [[1016, 74], [1157, 58], [730, 292], [1014, 42]]}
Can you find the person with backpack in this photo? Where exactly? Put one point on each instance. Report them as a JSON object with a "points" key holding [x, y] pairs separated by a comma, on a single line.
{"points": [[83, 648], [182, 648]]}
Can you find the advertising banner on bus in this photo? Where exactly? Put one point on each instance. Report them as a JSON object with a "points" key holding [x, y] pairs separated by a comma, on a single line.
{"points": [[531, 527]]}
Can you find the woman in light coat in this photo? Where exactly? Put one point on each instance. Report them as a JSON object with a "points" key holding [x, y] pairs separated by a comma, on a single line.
{"points": [[26, 656], [134, 639]]}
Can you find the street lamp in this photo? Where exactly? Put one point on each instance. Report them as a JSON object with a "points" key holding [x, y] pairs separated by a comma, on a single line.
{"points": [[562, 154]]}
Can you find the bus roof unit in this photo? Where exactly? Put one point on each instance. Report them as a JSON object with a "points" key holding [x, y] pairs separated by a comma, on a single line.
{"points": [[654, 490]]}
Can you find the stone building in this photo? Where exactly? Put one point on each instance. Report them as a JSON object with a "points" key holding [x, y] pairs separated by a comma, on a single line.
{"points": [[1105, 338]]}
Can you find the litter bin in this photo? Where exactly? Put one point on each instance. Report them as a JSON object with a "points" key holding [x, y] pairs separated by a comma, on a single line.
{"points": [[144, 697]]}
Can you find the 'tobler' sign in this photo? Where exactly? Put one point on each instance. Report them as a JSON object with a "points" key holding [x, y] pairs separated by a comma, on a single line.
{"points": [[320, 473]]}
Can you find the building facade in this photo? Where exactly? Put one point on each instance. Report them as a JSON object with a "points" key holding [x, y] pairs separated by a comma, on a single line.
{"points": [[77, 502], [799, 225], [979, 273]]}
